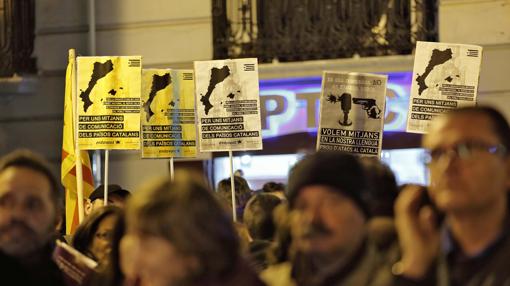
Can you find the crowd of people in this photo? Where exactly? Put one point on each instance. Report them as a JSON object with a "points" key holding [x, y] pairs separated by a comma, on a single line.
{"points": [[339, 220]]}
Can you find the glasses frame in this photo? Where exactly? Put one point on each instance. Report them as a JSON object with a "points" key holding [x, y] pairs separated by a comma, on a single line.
{"points": [[463, 151]]}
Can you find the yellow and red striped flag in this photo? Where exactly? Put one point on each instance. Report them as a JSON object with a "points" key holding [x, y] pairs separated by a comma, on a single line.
{"points": [[68, 168]]}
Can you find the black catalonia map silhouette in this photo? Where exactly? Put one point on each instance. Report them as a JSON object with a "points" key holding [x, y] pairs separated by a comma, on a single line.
{"points": [[100, 70], [438, 57], [217, 76], [159, 82]]}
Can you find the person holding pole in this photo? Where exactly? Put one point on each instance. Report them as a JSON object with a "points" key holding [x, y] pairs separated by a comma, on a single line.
{"points": [[242, 193], [117, 196]]}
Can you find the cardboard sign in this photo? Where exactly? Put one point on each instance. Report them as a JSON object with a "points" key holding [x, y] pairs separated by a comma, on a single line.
{"points": [[352, 113], [445, 76], [109, 102], [228, 106], [168, 114]]}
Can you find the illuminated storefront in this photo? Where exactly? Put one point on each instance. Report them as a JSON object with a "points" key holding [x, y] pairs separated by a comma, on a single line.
{"points": [[292, 105], [290, 113]]}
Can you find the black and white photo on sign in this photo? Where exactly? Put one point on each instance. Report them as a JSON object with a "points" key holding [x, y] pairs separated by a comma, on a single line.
{"points": [[352, 113]]}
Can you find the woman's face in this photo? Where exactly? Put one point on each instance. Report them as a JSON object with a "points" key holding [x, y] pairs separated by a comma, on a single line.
{"points": [[155, 260], [101, 242]]}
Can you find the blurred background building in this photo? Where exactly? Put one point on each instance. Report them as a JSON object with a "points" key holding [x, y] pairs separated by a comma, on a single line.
{"points": [[293, 40]]}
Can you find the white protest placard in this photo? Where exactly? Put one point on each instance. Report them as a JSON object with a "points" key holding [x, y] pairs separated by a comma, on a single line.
{"points": [[352, 113], [168, 114], [109, 102], [445, 76], [228, 105]]}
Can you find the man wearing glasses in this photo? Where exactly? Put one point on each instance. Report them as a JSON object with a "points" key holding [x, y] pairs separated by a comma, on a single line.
{"points": [[469, 183]]}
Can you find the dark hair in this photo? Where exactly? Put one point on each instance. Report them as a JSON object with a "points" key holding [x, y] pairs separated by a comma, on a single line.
{"points": [[382, 186], [270, 187], [25, 158], [187, 215], [85, 232], [111, 274], [258, 216], [280, 250], [117, 277], [242, 193], [113, 189], [499, 122], [341, 171]]}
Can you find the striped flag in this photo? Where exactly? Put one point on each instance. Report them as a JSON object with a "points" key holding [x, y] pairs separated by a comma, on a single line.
{"points": [[68, 168]]}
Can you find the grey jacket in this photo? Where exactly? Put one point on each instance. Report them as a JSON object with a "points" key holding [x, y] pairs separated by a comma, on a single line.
{"points": [[369, 268]]}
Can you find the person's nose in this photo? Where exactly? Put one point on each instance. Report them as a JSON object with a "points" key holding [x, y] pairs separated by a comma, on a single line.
{"points": [[17, 212], [313, 214]]}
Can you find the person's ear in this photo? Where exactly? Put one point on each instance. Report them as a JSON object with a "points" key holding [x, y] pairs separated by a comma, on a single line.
{"points": [[507, 169], [88, 207], [59, 222]]}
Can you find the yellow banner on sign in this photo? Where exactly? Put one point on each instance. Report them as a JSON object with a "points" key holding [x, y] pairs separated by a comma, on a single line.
{"points": [[168, 114], [109, 102]]}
